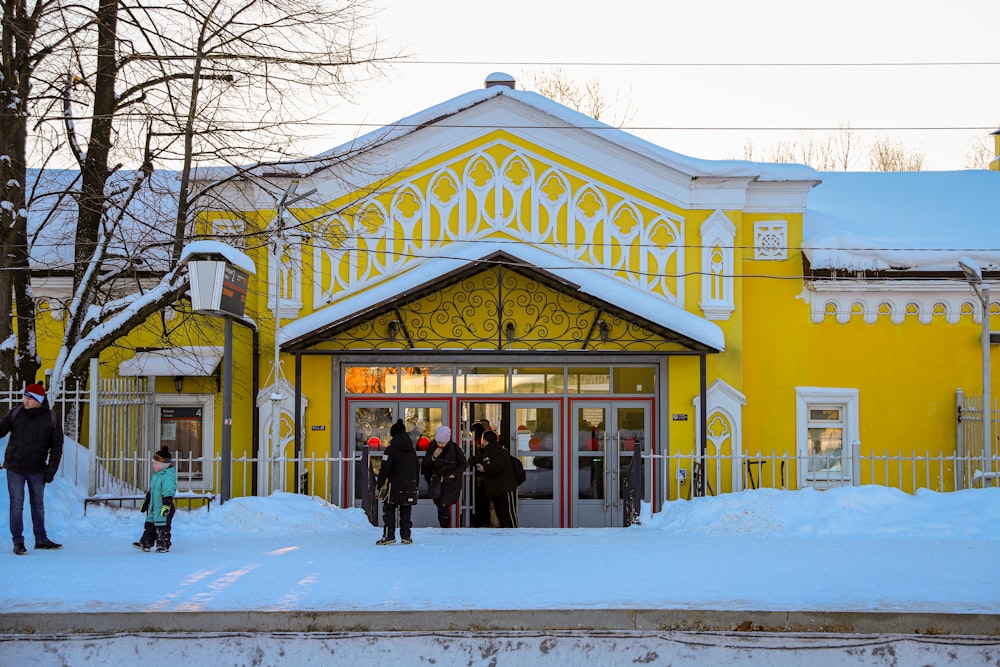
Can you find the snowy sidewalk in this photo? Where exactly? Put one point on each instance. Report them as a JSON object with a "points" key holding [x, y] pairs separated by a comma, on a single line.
{"points": [[854, 550]]}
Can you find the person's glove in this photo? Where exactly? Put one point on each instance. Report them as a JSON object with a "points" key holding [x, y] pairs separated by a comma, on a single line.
{"points": [[145, 504], [168, 504], [49, 476]]}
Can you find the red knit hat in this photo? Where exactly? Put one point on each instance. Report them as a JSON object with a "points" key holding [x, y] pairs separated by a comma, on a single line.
{"points": [[35, 391]]}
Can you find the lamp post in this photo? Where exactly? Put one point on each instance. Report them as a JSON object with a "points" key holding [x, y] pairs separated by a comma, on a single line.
{"points": [[974, 276], [219, 276], [286, 200]]}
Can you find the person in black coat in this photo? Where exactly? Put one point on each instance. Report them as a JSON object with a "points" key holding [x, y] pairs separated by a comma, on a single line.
{"points": [[400, 470], [498, 479], [444, 464], [32, 458]]}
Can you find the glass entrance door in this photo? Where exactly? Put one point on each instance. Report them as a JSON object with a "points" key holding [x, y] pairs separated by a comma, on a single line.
{"points": [[536, 443], [606, 436], [372, 421]]}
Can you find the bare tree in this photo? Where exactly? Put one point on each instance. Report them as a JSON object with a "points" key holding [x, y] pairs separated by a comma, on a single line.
{"points": [[979, 152], [31, 33], [588, 97], [833, 153], [889, 155], [177, 86]]}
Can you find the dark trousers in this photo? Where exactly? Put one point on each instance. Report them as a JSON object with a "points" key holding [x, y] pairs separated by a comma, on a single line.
{"points": [[158, 535], [505, 505], [35, 482], [480, 505], [444, 514], [389, 520]]}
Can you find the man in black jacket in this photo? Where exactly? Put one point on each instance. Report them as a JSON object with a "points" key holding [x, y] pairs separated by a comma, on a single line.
{"points": [[498, 478], [401, 469], [32, 458]]}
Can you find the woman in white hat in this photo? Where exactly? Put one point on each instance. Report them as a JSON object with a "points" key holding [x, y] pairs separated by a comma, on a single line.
{"points": [[442, 467]]}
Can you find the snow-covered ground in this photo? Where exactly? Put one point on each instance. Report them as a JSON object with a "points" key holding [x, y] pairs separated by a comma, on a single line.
{"points": [[851, 549]]}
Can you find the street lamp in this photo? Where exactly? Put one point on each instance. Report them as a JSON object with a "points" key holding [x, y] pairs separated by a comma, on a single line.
{"points": [[974, 276]]}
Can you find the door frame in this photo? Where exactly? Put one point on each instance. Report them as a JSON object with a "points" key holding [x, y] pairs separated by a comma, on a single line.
{"points": [[586, 512], [425, 511], [538, 513]]}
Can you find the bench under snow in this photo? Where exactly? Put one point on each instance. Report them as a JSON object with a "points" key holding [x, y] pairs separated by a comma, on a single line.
{"points": [[136, 499]]}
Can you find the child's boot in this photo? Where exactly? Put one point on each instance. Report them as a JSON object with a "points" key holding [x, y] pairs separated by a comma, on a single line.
{"points": [[162, 540]]}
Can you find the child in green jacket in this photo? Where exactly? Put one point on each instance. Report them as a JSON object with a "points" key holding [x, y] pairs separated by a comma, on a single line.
{"points": [[159, 504]]}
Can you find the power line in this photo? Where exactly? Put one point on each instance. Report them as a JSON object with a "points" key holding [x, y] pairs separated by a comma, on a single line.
{"points": [[587, 63], [670, 128]]}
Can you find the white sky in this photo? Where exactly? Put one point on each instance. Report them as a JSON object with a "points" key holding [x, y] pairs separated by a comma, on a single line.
{"points": [[496, 38]]}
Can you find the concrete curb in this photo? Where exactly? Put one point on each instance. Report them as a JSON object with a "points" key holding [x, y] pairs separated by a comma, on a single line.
{"points": [[609, 620]]}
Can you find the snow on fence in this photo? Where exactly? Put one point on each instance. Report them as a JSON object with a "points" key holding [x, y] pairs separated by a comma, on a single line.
{"points": [[125, 423], [724, 473]]}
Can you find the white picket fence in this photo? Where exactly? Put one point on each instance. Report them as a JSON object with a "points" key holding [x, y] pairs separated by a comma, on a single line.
{"points": [[122, 422], [724, 473]]}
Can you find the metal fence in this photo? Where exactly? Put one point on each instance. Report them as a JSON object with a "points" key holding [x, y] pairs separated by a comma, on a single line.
{"points": [[979, 461], [71, 405], [119, 417], [907, 472]]}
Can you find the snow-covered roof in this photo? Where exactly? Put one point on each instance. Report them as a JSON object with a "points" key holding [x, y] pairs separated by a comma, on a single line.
{"points": [[915, 221], [231, 254], [143, 240], [590, 282], [695, 167], [188, 361]]}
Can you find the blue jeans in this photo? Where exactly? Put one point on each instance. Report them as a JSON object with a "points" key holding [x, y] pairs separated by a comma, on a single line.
{"points": [[36, 491]]}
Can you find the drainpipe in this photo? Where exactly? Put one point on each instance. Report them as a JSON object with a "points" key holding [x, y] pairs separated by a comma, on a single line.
{"points": [[703, 420], [255, 417]]}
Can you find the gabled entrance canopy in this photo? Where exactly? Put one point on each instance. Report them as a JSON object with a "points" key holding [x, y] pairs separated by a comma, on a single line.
{"points": [[512, 297]]}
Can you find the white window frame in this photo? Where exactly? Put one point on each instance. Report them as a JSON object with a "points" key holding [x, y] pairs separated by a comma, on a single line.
{"points": [[207, 404], [847, 400]]}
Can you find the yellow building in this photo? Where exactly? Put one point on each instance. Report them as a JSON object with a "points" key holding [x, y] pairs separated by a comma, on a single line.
{"points": [[594, 296]]}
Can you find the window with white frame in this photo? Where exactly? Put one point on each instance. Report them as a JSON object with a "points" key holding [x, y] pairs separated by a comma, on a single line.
{"points": [[826, 430], [186, 426]]}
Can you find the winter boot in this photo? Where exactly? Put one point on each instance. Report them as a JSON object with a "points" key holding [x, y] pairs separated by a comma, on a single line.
{"points": [[444, 522], [406, 540], [140, 546], [388, 537], [19, 549], [162, 540]]}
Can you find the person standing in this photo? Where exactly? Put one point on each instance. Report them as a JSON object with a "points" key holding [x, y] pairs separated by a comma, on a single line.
{"points": [[498, 478], [480, 501], [159, 504], [32, 459], [444, 465], [400, 468]]}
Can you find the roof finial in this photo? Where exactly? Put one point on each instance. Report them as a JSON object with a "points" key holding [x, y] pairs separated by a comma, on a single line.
{"points": [[500, 79]]}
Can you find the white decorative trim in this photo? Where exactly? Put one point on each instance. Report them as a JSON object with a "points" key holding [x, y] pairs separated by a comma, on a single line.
{"points": [[770, 240], [718, 238], [271, 475], [898, 300], [725, 402], [525, 196], [849, 401], [207, 403], [291, 278]]}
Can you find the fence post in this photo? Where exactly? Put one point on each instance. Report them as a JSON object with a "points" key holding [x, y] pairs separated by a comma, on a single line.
{"points": [[960, 439], [92, 428], [856, 463]]}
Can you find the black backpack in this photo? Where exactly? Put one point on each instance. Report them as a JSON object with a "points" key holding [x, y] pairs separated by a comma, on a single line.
{"points": [[519, 475]]}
